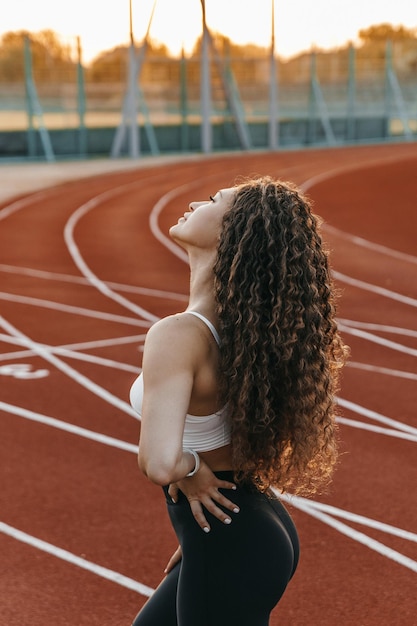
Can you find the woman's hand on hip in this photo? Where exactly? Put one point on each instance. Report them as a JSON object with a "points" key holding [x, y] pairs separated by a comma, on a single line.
{"points": [[202, 490]]}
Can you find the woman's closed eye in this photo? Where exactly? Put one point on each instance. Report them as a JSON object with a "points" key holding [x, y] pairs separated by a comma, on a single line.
{"points": [[211, 198]]}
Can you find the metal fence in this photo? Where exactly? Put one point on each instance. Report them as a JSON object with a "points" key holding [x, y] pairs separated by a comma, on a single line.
{"points": [[331, 94]]}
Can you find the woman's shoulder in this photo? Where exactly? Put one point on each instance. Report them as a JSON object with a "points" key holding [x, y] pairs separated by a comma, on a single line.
{"points": [[171, 324], [173, 339], [173, 330]]}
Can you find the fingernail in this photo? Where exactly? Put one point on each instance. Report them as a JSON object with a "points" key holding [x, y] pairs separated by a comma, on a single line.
{"points": [[165, 570], [174, 501], [234, 487], [206, 529], [236, 510], [227, 520]]}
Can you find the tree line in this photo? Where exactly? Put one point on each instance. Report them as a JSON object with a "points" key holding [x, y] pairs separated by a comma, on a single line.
{"points": [[53, 61]]}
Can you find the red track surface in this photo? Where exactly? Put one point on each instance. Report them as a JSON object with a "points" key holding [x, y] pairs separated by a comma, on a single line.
{"points": [[87, 497]]}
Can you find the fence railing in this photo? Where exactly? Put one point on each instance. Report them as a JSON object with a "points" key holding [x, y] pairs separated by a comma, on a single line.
{"points": [[340, 94]]}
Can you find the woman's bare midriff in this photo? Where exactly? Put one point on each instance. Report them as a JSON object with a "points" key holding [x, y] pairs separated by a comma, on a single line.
{"points": [[218, 460]]}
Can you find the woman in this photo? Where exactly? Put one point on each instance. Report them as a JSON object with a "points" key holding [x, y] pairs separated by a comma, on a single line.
{"points": [[237, 398]]}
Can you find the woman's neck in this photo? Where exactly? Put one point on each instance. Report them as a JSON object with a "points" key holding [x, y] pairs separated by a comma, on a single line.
{"points": [[202, 287]]}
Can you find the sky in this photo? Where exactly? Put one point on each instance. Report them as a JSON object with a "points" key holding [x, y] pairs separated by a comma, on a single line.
{"points": [[299, 24]]}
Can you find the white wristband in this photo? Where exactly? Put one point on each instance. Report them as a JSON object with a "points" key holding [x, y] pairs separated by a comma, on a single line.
{"points": [[197, 462]]}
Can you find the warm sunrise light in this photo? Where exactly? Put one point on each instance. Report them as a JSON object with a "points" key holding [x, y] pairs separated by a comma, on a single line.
{"points": [[299, 23]]}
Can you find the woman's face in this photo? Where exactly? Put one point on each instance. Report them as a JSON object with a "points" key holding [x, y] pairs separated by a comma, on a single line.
{"points": [[200, 225]]}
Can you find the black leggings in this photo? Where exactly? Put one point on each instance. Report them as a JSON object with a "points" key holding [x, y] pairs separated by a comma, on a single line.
{"points": [[232, 576]]}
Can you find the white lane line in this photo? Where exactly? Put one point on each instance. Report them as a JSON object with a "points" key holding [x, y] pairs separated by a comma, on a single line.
{"points": [[383, 328], [294, 500], [379, 430], [72, 354], [360, 241], [69, 557], [154, 226], [370, 245], [80, 280], [388, 371], [359, 519], [84, 345], [23, 203], [79, 431], [74, 310], [387, 343], [157, 210], [69, 371], [82, 265], [381, 291], [360, 537], [377, 417]]}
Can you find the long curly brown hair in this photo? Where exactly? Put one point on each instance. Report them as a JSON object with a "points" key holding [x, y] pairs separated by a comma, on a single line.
{"points": [[281, 352]]}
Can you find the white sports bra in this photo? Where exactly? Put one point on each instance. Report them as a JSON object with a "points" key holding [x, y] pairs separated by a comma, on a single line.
{"points": [[201, 432]]}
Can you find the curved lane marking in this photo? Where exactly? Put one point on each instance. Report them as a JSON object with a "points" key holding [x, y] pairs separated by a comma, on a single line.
{"points": [[74, 559], [84, 345], [82, 265], [360, 537], [69, 371], [388, 371], [80, 280], [60, 350], [316, 509], [75, 310], [386, 343], [374, 415]]}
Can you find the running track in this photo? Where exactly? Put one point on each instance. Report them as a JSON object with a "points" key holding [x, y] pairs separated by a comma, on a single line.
{"points": [[85, 269]]}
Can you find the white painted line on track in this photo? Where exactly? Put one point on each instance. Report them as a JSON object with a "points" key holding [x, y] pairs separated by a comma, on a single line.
{"points": [[370, 245], [69, 557], [83, 345], [74, 310], [23, 203], [73, 354], [360, 537], [157, 210], [154, 226], [294, 500], [358, 519], [69, 371], [388, 371], [379, 430], [80, 280], [381, 291], [73, 429], [305, 505], [373, 415], [383, 328], [360, 241], [82, 265], [386, 343]]}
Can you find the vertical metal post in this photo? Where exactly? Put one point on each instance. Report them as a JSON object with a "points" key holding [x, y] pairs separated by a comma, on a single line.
{"points": [[316, 98], [311, 123], [351, 103], [29, 107], [81, 102], [392, 86], [183, 101], [273, 89], [34, 108], [205, 92], [230, 89], [134, 140], [387, 91]]}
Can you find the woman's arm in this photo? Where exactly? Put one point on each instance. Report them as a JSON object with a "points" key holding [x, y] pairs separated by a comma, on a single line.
{"points": [[169, 363], [171, 358]]}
